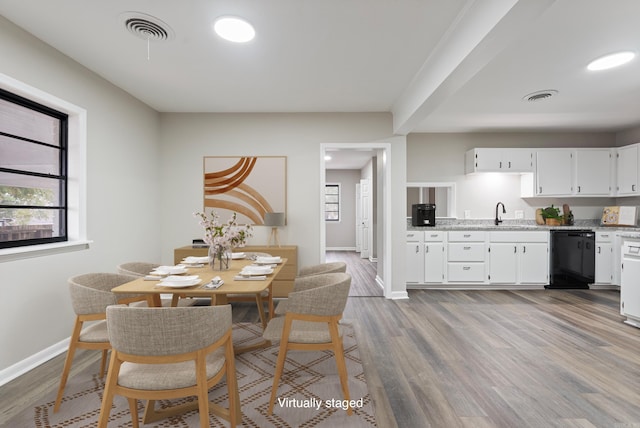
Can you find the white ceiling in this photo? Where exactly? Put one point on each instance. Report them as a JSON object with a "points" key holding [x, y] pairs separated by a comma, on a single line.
{"points": [[437, 66]]}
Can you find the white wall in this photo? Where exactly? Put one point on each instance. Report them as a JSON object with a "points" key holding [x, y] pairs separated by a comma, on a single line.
{"points": [[341, 235], [122, 196], [186, 138], [440, 157]]}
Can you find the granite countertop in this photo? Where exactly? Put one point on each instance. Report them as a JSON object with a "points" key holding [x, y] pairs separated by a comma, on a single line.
{"points": [[523, 225]]}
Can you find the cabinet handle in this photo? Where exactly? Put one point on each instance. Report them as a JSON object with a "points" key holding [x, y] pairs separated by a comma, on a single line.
{"points": [[417, 249], [524, 249], [466, 267], [410, 236], [578, 189], [599, 250], [515, 249], [434, 236], [500, 164], [466, 248], [540, 189], [633, 187], [467, 236], [426, 249], [509, 164]]}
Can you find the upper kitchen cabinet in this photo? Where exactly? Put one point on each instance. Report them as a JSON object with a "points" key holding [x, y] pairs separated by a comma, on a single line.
{"points": [[554, 172], [499, 160], [594, 169], [627, 161]]}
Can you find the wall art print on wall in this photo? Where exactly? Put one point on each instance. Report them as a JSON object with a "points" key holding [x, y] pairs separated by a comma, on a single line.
{"points": [[250, 186]]}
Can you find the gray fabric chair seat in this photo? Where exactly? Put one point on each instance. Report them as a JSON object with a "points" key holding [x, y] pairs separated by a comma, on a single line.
{"points": [[308, 279], [157, 377], [301, 331], [96, 332]]}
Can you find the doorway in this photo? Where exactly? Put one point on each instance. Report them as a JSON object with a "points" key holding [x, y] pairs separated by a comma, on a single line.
{"points": [[368, 270]]}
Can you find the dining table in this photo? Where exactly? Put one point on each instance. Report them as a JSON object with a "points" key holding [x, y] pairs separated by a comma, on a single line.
{"points": [[234, 283]]}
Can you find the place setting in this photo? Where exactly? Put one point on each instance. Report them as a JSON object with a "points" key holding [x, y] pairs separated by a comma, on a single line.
{"points": [[254, 273]]}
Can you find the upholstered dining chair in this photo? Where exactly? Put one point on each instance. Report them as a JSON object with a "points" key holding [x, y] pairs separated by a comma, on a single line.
{"points": [[311, 323], [90, 296], [141, 269], [311, 270], [187, 351], [321, 268]]}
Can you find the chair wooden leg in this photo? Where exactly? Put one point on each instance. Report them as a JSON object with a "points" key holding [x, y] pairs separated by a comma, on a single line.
{"points": [[75, 334], [203, 393], [270, 301], [282, 355], [338, 351], [260, 304], [103, 362], [133, 409], [235, 413], [107, 396]]}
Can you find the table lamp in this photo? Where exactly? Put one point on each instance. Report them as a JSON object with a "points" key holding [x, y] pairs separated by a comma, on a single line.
{"points": [[274, 220]]}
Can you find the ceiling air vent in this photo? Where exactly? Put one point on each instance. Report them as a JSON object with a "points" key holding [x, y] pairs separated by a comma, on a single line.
{"points": [[146, 27], [540, 95]]}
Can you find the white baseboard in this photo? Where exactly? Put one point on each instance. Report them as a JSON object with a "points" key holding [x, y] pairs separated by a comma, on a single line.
{"points": [[397, 295], [29, 363]]}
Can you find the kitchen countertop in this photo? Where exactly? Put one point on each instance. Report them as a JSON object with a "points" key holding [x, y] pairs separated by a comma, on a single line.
{"points": [[521, 225]]}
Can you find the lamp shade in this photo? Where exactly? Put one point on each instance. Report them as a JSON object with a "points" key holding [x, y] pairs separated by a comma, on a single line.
{"points": [[274, 219]]}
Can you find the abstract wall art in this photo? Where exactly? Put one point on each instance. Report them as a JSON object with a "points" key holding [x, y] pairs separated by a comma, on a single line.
{"points": [[250, 186]]}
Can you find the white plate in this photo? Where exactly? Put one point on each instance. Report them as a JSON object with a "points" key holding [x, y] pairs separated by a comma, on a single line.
{"points": [[256, 272], [268, 260], [238, 256], [180, 284], [168, 270]]}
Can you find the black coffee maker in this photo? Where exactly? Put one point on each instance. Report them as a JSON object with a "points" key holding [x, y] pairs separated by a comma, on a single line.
{"points": [[423, 214]]}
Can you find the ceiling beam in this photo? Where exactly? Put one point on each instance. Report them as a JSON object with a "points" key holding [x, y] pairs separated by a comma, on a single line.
{"points": [[479, 33]]}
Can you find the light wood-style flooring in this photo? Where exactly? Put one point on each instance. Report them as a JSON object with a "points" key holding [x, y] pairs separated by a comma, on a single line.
{"points": [[451, 358], [363, 273]]}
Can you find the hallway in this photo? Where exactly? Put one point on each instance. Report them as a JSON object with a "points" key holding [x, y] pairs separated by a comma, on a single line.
{"points": [[363, 273]]}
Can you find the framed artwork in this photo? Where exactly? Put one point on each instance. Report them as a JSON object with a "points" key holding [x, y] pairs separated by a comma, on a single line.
{"points": [[249, 186]]}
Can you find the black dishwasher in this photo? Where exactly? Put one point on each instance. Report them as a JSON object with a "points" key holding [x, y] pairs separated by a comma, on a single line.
{"points": [[573, 259]]}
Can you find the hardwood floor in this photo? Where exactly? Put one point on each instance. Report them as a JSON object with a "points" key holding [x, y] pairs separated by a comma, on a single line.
{"points": [[363, 273], [451, 358]]}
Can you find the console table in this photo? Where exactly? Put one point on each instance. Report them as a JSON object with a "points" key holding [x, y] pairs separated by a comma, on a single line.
{"points": [[282, 283]]}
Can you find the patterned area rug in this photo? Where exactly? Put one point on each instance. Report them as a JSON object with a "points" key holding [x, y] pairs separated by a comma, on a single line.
{"points": [[309, 394]]}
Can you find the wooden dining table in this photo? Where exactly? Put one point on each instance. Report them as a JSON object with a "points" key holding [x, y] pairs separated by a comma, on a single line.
{"points": [[218, 296]]}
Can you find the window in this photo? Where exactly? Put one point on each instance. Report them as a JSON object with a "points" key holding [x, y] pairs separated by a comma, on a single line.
{"points": [[33, 172], [332, 202]]}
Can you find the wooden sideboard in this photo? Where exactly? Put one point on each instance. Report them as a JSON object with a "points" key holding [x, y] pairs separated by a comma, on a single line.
{"points": [[282, 284]]}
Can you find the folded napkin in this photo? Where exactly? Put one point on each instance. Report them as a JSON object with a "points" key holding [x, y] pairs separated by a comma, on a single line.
{"points": [[264, 259], [181, 278], [235, 256], [196, 260], [215, 282], [255, 269], [250, 278], [168, 270]]}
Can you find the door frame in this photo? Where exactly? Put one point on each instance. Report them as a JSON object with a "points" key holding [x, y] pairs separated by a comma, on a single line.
{"points": [[384, 180]]}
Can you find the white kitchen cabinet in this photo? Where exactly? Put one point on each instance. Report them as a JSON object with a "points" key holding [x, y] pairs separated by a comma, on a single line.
{"points": [[554, 172], [499, 160], [629, 285], [517, 257], [605, 261], [593, 172], [434, 257], [466, 257], [414, 257], [627, 168]]}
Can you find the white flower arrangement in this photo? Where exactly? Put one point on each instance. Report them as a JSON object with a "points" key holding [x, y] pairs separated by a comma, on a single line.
{"points": [[223, 237]]}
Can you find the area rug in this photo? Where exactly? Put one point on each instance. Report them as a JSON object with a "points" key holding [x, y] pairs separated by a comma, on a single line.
{"points": [[309, 394]]}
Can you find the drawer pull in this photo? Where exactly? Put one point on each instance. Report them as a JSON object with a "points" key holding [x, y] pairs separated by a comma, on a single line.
{"points": [[466, 235], [466, 267], [434, 236], [466, 248]]}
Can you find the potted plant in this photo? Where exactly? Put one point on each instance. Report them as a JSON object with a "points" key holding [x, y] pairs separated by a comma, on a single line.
{"points": [[552, 216]]}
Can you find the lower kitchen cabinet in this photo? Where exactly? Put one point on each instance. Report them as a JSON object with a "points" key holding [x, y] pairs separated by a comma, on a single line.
{"points": [[414, 258], [518, 257], [434, 257], [466, 257], [605, 262]]}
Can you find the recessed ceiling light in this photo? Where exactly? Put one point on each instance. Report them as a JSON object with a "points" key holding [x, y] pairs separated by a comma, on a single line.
{"points": [[611, 60], [234, 29]]}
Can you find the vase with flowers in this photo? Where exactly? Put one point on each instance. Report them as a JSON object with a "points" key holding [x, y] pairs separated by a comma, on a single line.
{"points": [[222, 237]]}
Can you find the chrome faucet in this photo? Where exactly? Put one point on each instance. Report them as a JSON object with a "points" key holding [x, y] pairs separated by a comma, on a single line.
{"points": [[497, 221]]}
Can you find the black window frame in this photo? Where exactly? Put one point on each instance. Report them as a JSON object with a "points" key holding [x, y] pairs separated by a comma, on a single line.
{"points": [[337, 204], [62, 175]]}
